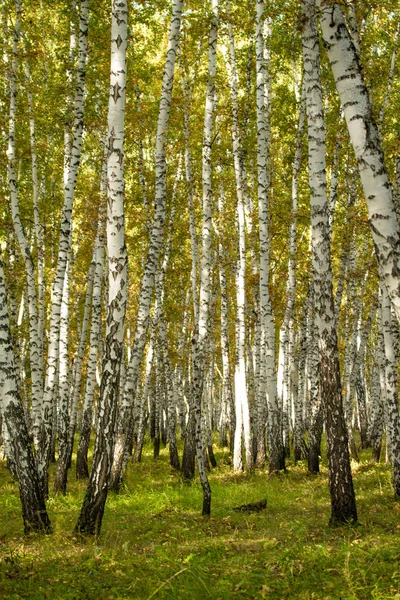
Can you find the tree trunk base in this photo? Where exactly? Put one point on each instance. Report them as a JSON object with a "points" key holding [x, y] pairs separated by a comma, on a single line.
{"points": [[174, 457], [211, 456]]}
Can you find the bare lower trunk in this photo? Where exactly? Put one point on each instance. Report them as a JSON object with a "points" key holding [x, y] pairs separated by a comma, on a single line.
{"points": [[20, 450]]}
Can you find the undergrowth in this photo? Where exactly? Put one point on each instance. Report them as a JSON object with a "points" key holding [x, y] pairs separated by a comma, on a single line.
{"points": [[155, 544]]}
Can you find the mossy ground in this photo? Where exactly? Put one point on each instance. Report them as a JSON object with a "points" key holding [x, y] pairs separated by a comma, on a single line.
{"points": [[155, 544]]}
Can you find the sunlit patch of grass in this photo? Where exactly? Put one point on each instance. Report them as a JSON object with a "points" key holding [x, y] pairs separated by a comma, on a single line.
{"points": [[155, 544]]}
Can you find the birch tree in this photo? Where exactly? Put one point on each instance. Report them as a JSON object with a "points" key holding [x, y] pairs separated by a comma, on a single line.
{"points": [[343, 506], [357, 108], [71, 168], [390, 379], [91, 515], [276, 458], [156, 240], [241, 396], [82, 470], [32, 499], [35, 345], [201, 334]]}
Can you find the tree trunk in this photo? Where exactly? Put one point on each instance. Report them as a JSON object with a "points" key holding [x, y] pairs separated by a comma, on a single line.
{"points": [[343, 506], [356, 104], [200, 337], [240, 382], [32, 499], [391, 407], [276, 457], [35, 341], [156, 241], [72, 161], [82, 470], [91, 515]]}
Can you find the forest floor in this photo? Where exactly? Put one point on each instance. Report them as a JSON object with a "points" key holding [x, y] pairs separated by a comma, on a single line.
{"points": [[155, 544]]}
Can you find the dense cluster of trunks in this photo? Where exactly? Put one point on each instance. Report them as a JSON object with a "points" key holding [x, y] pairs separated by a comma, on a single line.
{"points": [[268, 399]]}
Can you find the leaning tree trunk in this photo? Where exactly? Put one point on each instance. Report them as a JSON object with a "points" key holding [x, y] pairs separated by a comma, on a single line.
{"points": [[357, 108], [343, 505], [90, 518], [32, 498]]}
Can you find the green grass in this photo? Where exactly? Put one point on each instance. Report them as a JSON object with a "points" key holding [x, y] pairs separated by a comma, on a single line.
{"points": [[155, 544]]}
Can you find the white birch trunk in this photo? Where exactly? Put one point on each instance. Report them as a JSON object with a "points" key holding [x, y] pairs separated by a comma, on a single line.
{"points": [[227, 399], [343, 506], [292, 369], [82, 470], [200, 338], [70, 179], [286, 334], [356, 104], [391, 406], [241, 392], [144, 398], [156, 234], [377, 397], [35, 345], [37, 227], [190, 192], [63, 413], [276, 458], [32, 499], [90, 518]]}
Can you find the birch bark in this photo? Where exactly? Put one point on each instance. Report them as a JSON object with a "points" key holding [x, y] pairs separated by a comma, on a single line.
{"points": [[70, 179], [343, 506], [38, 234], [63, 413], [91, 515], [276, 458], [286, 334], [199, 341], [82, 470], [391, 406], [187, 93], [356, 104], [377, 398], [35, 345], [156, 240], [240, 381], [227, 399], [32, 499]]}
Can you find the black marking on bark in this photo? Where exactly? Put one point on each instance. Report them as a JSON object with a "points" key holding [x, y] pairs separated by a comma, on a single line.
{"points": [[115, 95]]}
